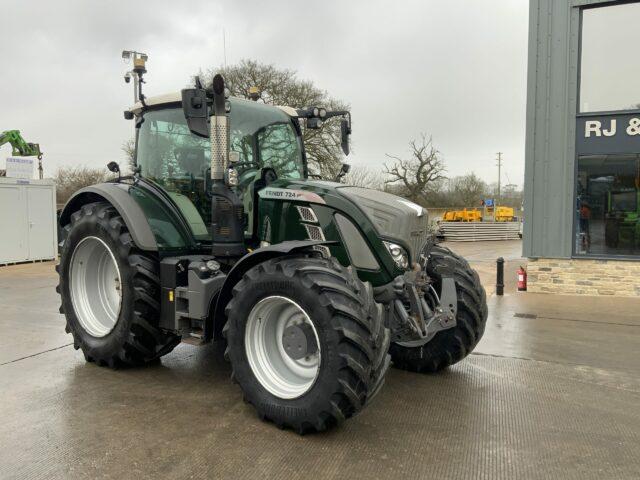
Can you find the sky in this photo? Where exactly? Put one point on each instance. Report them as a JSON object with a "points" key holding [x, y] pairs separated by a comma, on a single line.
{"points": [[454, 70]]}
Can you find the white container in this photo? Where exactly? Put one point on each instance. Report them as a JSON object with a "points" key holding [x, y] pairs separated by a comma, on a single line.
{"points": [[28, 223]]}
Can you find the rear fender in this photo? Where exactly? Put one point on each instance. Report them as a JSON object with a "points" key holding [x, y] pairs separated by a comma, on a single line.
{"points": [[116, 194], [243, 265]]}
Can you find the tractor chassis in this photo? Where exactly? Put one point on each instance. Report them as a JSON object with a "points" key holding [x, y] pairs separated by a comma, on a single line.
{"points": [[192, 299]]}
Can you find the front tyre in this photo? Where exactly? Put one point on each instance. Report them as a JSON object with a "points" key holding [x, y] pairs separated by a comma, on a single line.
{"points": [[110, 291], [306, 341], [452, 345]]}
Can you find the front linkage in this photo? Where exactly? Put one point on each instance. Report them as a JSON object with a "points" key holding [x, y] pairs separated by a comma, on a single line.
{"points": [[415, 310]]}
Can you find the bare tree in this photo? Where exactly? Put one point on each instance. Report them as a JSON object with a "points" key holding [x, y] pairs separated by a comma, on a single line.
{"points": [[129, 150], [360, 176], [277, 86], [71, 179], [467, 190], [414, 177]]}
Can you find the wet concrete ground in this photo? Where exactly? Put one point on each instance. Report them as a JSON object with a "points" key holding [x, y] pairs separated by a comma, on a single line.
{"points": [[552, 391]]}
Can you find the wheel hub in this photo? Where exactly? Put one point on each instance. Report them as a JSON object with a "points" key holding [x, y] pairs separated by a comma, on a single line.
{"points": [[282, 347], [299, 341]]}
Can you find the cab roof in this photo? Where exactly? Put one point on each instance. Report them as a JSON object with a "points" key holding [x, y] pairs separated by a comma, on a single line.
{"points": [[176, 97]]}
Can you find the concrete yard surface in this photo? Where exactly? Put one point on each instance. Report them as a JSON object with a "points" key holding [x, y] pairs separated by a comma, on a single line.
{"points": [[552, 391]]}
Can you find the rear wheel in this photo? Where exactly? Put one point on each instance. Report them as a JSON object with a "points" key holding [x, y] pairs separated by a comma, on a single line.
{"points": [[452, 345], [110, 291], [306, 342]]}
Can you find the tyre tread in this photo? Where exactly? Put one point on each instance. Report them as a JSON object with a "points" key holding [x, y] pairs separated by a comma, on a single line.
{"points": [[362, 344]]}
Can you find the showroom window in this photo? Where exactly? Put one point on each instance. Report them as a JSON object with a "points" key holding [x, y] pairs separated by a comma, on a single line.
{"points": [[610, 62], [608, 205]]}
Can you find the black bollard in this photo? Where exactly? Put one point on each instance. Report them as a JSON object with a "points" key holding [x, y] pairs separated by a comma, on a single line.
{"points": [[500, 276]]}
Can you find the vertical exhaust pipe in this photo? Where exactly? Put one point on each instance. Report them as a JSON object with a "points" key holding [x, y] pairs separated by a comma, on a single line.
{"points": [[206, 114], [227, 210], [219, 134]]}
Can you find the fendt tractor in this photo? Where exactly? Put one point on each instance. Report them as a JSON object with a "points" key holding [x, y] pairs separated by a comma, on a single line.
{"points": [[222, 234]]}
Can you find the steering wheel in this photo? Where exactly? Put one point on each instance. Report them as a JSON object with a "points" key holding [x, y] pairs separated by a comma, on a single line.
{"points": [[245, 164]]}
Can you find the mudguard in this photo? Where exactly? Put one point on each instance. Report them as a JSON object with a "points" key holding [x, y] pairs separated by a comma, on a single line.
{"points": [[243, 265], [116, 194]]}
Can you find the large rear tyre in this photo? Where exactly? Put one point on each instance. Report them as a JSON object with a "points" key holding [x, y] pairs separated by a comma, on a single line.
{"points": [[110, 291], [452, 345], [306, 341]]}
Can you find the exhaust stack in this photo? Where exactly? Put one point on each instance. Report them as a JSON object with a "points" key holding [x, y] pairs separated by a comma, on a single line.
{"points": [[206, 114], [219, 134]]}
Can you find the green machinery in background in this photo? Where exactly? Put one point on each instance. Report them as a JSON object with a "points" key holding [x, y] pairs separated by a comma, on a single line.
{"points": [[622, 227], [21, 148]]}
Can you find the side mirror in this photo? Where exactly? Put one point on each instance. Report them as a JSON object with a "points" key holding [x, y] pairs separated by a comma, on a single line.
{"points": [[194, 105], [345, 131], [113, 167]]}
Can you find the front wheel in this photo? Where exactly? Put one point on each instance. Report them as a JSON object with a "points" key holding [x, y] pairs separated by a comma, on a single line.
{"points": [[452, 345], [306, 341]]}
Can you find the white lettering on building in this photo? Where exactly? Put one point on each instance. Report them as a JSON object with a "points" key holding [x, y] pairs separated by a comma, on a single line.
{"points": [[592, 126], [612, 129]]}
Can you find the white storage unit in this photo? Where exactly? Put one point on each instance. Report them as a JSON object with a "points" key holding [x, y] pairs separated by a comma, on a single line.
{"points": [[28, 230]]}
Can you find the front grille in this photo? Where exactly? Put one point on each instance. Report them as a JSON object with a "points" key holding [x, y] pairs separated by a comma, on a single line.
{"points": [[307, 214], [417, 239], [314, 232]]}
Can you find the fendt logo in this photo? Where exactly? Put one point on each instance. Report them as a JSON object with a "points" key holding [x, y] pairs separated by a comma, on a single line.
{"points": [[271, 193]]}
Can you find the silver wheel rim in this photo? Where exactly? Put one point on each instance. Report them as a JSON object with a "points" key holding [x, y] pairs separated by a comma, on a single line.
{"points": [[276, 371], [95, 286]]}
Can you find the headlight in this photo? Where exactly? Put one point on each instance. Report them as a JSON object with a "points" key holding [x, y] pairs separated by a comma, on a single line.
{"points": [[398, 254]]}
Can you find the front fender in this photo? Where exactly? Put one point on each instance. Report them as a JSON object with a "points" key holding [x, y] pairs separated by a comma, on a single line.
{"points": [[247, 262], [116, 194]]}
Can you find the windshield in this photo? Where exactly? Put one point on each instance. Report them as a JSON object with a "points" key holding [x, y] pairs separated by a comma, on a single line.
{"points": [[263, 136], [170, 155]]}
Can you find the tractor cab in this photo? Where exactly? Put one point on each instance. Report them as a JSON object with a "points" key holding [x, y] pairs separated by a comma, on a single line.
{"points": [[265, 144]]}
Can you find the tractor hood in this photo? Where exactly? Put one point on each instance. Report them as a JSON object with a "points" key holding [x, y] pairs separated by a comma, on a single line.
{"points": [[386, 216], [394, 217]]}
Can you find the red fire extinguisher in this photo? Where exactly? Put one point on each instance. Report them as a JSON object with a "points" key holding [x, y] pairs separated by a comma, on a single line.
{"points": [[522, 280]]}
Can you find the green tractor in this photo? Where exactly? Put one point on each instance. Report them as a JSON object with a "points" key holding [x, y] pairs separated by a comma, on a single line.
{"points": [[221, 235]]}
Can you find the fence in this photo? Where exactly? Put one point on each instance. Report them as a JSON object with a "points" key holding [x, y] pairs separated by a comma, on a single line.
{"points": [[479, 231]]}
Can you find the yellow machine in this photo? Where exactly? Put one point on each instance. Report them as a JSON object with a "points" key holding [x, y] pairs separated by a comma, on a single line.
{"points": [[504, 214], [496, 214], [462, 215]]}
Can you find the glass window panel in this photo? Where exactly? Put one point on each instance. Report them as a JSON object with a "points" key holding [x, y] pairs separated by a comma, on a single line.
{"points": [[608, 205], [610, 64]]}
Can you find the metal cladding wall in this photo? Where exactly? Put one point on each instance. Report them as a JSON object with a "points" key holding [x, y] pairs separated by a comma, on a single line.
{"points": [[552, 93]]}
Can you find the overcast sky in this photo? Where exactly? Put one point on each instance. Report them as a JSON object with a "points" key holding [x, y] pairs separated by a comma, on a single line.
{"points": [[453, 69]]}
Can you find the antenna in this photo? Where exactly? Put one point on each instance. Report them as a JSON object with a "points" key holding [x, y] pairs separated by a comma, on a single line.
{"points": [[499, 164], [224, 47]]}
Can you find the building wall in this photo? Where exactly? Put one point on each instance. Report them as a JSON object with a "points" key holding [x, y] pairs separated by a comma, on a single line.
{"points": [[584, 277], [552, 96], [550, 161], [550, 128]]}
